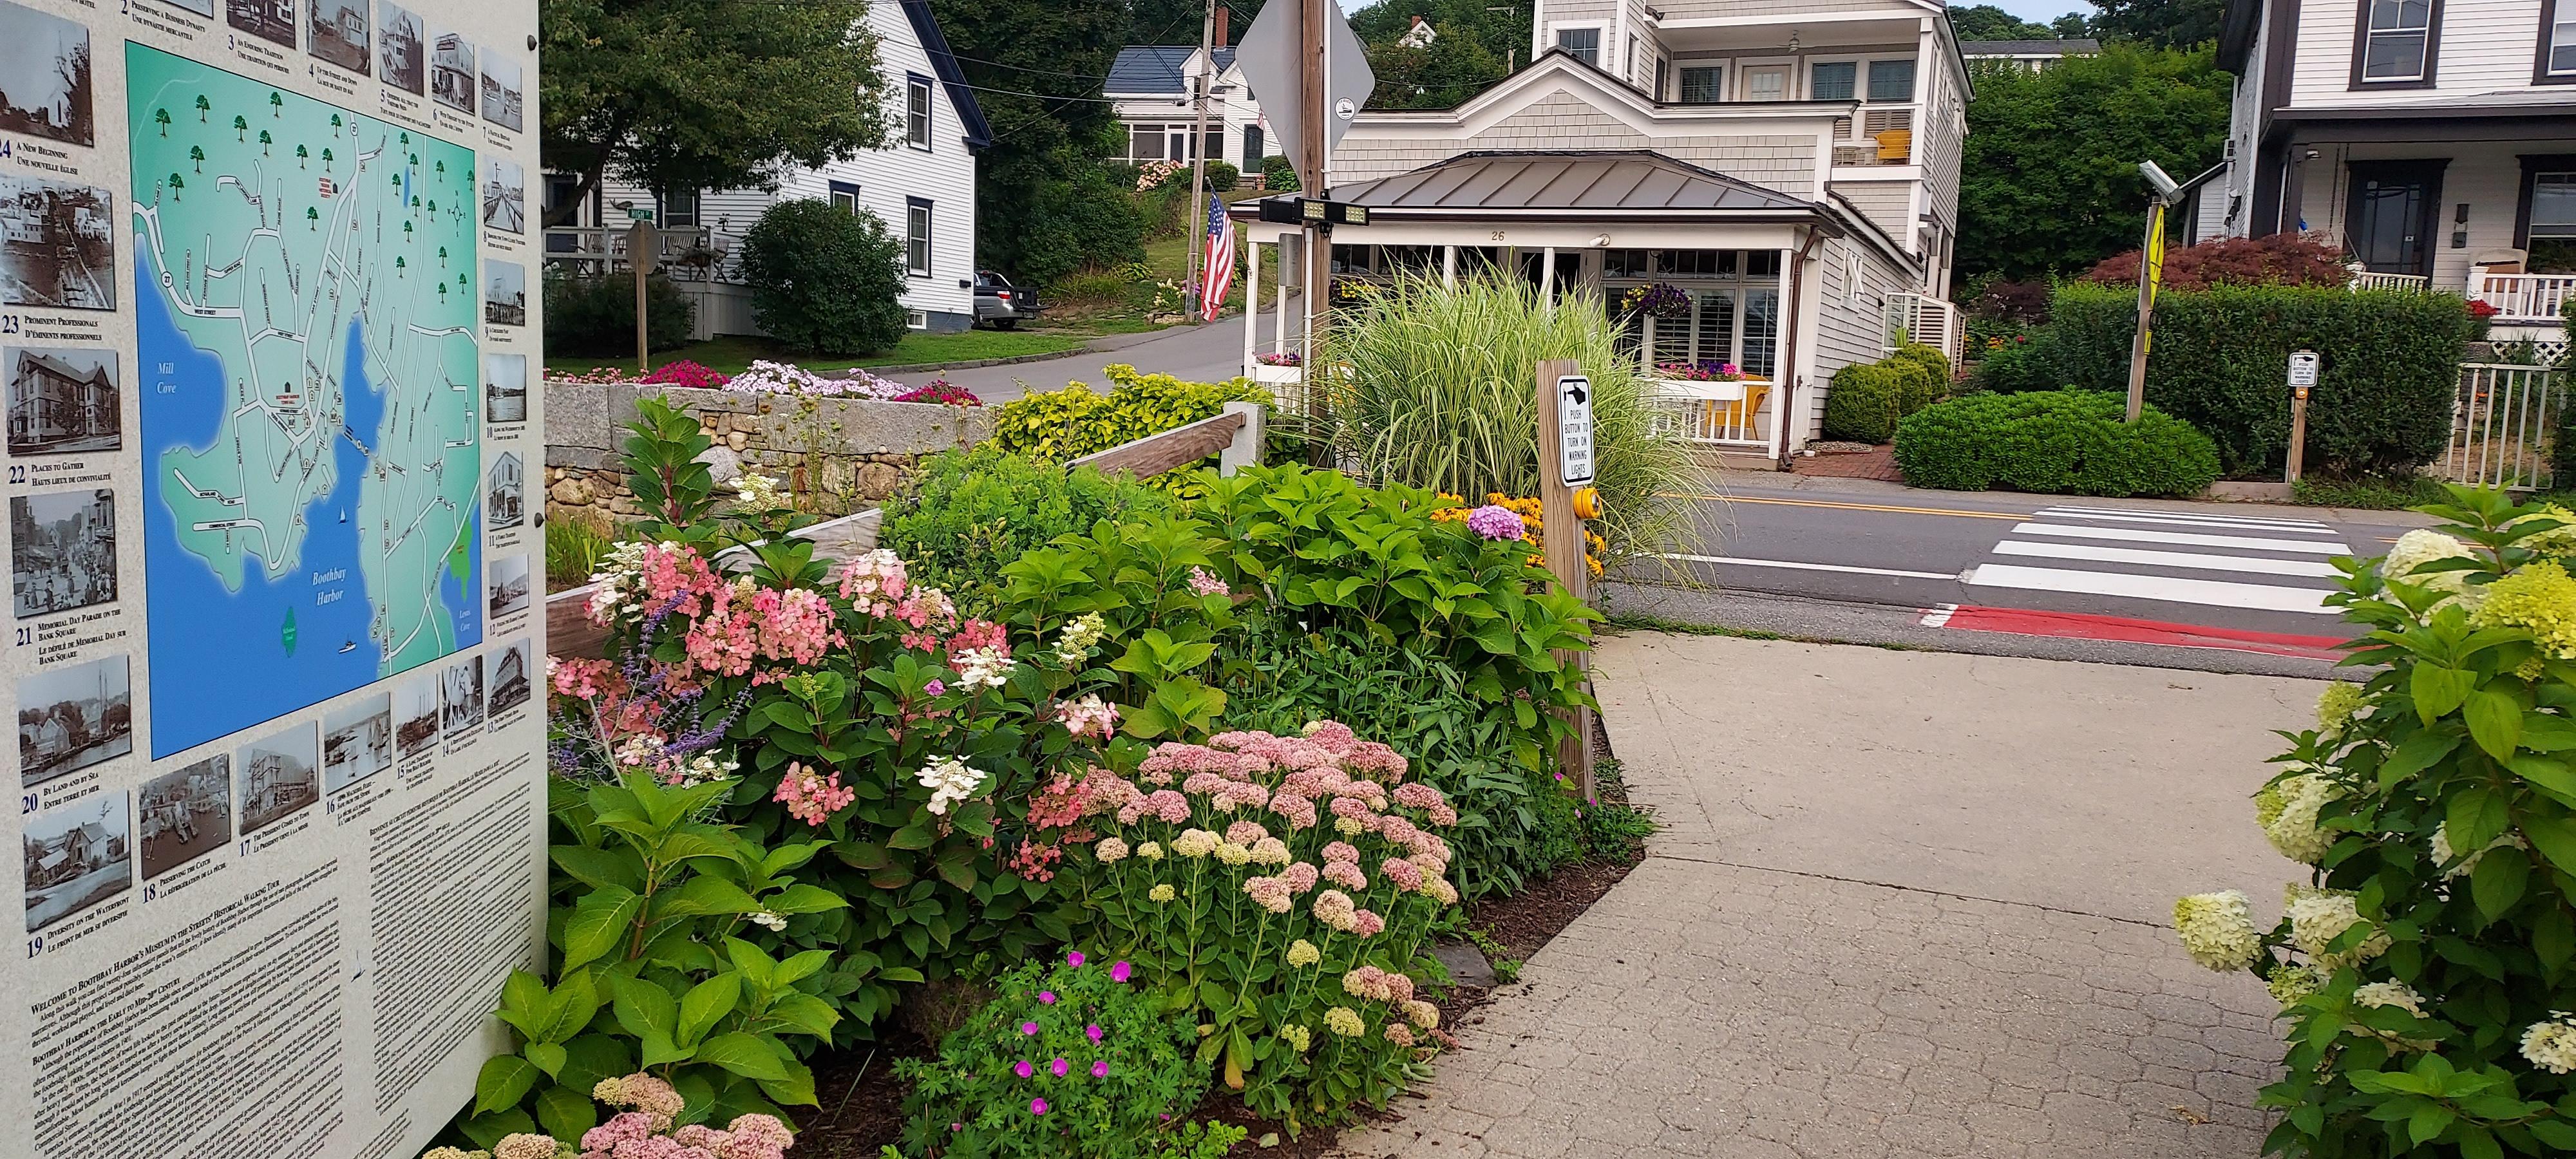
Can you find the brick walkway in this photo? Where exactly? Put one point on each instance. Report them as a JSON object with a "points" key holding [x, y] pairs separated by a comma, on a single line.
{"points": [[1907, 905], [1877, 463]]}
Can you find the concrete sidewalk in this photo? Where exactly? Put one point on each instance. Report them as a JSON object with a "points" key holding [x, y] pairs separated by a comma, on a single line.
{"points": [[1905, 904]]}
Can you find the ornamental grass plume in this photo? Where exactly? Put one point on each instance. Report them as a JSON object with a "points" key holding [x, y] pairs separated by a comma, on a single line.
{"points": [[2217, 929]]}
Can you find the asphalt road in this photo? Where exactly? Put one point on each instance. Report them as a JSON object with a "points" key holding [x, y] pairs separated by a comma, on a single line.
{"points": [[1891, 564]]}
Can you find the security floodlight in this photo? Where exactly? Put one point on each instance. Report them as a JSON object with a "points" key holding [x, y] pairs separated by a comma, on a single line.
{"points": [[2166, 187]]}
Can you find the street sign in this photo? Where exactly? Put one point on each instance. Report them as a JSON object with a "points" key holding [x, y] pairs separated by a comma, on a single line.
{"points": [[639, 213], [1274, 69], [1574, 428], [2303, 369]]}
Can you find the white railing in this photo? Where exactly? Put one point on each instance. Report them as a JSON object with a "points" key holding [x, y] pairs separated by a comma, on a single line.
{"points": [[2523, 298], [689, 253], [2365, 280], [2503, 424], [1925, 319], [1721, 414]]}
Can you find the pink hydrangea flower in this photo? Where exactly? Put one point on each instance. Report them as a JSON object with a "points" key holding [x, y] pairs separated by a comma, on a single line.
{"points": [[1494, 521]]}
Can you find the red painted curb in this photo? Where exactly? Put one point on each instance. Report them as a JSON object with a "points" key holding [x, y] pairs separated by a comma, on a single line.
{"points": [[2083, 626]]}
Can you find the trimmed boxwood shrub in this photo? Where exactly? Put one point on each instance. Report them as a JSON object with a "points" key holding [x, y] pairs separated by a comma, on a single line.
{"points": [[1867, 399], [2069, 442], [825, 280], [1277, 174], [2382, 404], [596, 316]]}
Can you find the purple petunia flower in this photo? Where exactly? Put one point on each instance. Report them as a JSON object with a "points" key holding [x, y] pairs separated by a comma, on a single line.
{"points": [[1046, 997], [1119, 972], [1094, 1031], [1024, 1070], [1028, 1028], [1059, 1066], [1074, 959]]}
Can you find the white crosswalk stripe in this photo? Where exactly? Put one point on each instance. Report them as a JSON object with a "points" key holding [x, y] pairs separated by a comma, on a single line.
{"points": [[2278, 565]]}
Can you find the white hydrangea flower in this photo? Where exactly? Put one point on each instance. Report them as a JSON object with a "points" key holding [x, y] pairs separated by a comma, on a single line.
{"points": [[949, 780], [2217, 929], [2341, 701], [1073, 643], [2397, 994], [2419, 547], [2288, 811], [762, 492], [2290, 984], [984, 667], [2551, 1045], [2443, 852], [2319, 916]]}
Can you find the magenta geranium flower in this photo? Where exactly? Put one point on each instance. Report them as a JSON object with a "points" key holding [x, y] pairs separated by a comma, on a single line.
{"points": [[1119, 972], [1059, 1067], [1028, 1028], [1100, 1070], [1093, 1030], [1024, 1070], [1074, 959], [1046, 997], [1037, 1106]]}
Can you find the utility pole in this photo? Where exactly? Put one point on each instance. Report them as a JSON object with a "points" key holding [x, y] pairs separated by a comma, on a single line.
{"points": [[1203, 82], [1319, 254]]}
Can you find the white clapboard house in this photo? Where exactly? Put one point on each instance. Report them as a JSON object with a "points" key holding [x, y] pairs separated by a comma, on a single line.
{"points": [[1150, 87], [2433, 140], [921, 185], [1792, 167]]}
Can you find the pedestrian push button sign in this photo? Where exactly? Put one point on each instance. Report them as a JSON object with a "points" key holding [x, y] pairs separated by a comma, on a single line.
{"points": [[1574, 428]]}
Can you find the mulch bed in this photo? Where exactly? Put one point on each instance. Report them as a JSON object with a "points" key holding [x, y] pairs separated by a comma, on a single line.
{"points": [[862, 1108]]}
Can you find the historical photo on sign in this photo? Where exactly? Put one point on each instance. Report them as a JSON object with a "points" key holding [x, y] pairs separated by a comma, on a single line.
{"points": [[505, 388], [187, 813], [402, 52], [416, 704], [205, 8], [451, 71], [279, 775], [77, 856], [460, 697], [272, 21], [505, 196], [513, 678], [340, 33], [72, 718], [501, 90], [46, 59], [507, 504], [63, 401], [509, 579], [62, 551], [357, 741], [60, 247], [505, 294]]}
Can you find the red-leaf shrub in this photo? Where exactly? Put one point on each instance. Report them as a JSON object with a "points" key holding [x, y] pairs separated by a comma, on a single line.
{"points": [[2283, 259]]}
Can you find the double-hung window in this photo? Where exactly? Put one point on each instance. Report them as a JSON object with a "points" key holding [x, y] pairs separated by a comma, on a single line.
{"points": [[1702, 84], [916, 112], [845, 197], [916, 237], [2557, 63], [2396, 42], [1891, 80], [2552, 239], [1583, 43], [1832, 80]]}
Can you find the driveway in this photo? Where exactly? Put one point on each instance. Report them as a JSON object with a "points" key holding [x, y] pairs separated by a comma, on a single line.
{"points": [[1903, 904]]}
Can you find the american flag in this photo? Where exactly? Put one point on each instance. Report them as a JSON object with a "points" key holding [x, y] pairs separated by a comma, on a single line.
{"points": [[1219, 262]]}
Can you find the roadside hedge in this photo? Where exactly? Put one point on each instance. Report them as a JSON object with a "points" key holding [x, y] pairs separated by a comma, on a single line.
{"points": [[1868, 398], [2069, 442], [2382, 404]]}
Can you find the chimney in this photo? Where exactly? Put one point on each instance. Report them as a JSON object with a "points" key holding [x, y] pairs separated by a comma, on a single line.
{"points": [[1221, 13]]}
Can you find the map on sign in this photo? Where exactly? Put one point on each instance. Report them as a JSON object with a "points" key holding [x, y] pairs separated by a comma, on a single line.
{"points": [[311, 446]]}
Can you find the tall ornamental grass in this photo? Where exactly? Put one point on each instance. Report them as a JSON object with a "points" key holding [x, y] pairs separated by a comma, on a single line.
{"points": [[1440, 393]]}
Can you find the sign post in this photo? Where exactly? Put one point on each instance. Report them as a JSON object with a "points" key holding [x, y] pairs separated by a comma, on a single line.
{"points": [[2303, 377], [1566, 461], [2151, 271], [643, 251]]}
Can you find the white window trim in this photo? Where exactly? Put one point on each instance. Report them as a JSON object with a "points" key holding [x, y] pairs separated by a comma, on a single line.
{"points": [[923, 239], [2424, 51], [1737, 89], [929, 113], [1554, 28]]}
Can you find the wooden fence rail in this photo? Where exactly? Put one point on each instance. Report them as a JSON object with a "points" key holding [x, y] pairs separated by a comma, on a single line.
{"points": [[1234, 436]]}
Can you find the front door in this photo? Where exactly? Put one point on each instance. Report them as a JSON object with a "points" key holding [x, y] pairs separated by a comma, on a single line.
{"points": [[2390, 221]]}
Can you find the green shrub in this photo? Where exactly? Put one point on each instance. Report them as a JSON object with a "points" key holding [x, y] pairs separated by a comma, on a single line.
{"points": [[1278, 174], [1442, 395], [1928, 387], [2563, 446], [1222, 176], [2425, 962], [825, 280], [2017, 365], [1059, 425], [595, 317], [969, 512], [1091, 288], [2382, 404], [2053, 442], [1130, 1070], [1861, 406]]}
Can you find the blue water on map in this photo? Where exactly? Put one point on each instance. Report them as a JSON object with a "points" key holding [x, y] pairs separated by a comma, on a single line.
{"points": [[219, 659]]}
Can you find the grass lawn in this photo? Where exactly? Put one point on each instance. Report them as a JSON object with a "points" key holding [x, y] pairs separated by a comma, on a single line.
{"points": [[734, 354]]}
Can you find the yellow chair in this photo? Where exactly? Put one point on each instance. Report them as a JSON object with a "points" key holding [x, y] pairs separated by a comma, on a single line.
{"points": [[1895, 145], [1738, 414]]}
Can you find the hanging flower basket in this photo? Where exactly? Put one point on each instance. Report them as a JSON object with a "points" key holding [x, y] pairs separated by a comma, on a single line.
{"points": [[1657, 300]]}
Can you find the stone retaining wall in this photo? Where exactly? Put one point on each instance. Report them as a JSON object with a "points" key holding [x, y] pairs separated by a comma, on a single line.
{"points": [[837, 454]]}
